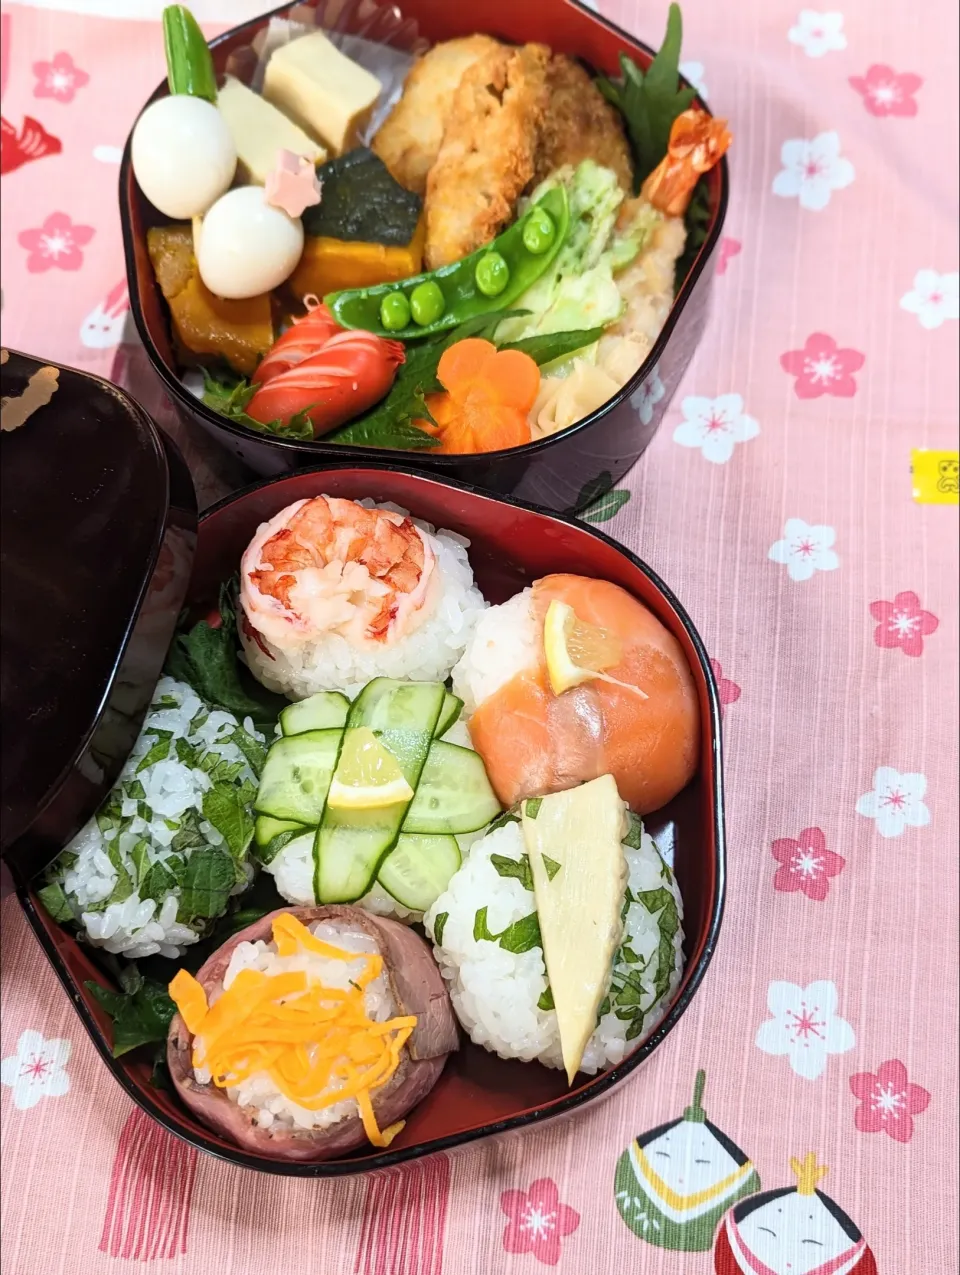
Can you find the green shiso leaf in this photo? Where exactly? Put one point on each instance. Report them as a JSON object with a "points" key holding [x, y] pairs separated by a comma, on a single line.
{"points": [[521, 936], [650, 102], [207, 659], [228, 394], [54, 899], [141, 1013], [208, 877], [439, 925], [227, 807]]}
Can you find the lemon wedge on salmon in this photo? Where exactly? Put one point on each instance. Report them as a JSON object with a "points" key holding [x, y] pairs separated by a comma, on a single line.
{"points": [[577, 652], [367, 774]]}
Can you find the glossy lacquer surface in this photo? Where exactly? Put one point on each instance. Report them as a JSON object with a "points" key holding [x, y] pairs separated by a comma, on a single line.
{"points": [[563, 472], [511, 545], [98, 529]]}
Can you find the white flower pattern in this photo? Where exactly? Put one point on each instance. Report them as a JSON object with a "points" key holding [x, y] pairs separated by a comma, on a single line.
{"points": [[812, 170], [715, 426], [818, 33], [895, 802], [648, 395], [693, 71], [934, 298], [804, 1026], [805, 549], [37, 1070]]}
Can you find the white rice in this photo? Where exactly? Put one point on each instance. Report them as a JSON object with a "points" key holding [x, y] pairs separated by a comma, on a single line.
{"points": [[427, 654], [292, 868], [495, 991], [89, 870], [504, 642], [258, 1092]]}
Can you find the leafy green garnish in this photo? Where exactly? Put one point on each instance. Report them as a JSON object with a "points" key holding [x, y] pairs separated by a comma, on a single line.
{"points": [[697, 222], [141, 1012], [227, 807], [521, 936], [517, 868], [546, 999], [547, 347], [439, 925], [207, 659], [229, 395], [551, 866], [157, 882], [157, 752], [650, 102], [55, 901], [532, 807], [208, 878]]}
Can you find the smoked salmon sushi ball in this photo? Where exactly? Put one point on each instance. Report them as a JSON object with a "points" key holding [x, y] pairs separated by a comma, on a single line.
{"points": [[572, 679]]}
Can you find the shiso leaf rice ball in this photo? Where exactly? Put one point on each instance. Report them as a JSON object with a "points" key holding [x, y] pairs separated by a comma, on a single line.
{"points": [[169, 846]]}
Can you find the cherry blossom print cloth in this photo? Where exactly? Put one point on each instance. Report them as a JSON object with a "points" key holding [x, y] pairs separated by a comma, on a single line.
{"points": [[801, 500]]}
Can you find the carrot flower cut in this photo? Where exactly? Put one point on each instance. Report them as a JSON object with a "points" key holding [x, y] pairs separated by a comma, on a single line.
{"points": [[486, 397]]}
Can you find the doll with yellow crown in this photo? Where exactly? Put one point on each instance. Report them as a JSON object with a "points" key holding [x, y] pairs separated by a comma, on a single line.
{"points": [[797, 1230]]}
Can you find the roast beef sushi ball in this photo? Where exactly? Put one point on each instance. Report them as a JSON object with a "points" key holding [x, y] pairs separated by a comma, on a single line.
{"points": [[311, 1032]]}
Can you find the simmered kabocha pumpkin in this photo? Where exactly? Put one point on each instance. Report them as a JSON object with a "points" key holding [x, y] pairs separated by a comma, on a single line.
{"points": [[238, 331]]}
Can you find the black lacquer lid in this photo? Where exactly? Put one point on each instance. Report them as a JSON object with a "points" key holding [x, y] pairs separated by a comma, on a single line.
{"points": [[97, 532]]}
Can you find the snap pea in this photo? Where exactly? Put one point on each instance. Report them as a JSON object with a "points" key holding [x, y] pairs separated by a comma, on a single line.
{"points": [[493, 273], [457, 283]]}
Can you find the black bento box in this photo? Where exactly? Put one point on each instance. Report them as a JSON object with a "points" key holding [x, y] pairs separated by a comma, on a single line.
{"points": [[563, 472]]}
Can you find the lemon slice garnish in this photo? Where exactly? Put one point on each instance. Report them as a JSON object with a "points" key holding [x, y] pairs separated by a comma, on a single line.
{"points": [[577, 652], [367, 774]]}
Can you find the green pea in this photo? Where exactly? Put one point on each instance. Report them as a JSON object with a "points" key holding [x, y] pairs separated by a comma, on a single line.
{"points": [[394, 311], [538, 232], [492, 274], [427, 303]]}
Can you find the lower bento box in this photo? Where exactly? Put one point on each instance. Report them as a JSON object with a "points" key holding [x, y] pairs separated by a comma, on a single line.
{"points": [[597, 407], [473, 1093]]}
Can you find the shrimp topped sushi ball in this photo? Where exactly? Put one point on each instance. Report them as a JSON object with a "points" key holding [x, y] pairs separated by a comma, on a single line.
{"points": [[574, 678], [336, 592]]}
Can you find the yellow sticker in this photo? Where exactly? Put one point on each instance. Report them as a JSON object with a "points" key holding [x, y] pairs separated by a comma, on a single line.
{"points": [[936, 477]]}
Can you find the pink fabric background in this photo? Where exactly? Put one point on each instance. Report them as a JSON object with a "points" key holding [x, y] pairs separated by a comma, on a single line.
{"points": [[821, 704]]}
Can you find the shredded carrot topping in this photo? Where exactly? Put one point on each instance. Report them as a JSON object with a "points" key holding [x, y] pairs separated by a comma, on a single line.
{"points": [[305, 1036]]}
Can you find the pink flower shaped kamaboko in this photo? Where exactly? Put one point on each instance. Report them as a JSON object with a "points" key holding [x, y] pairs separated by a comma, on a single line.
{"points": [[55, 244], [806, 864], [821, 367], [885, 92], [902, 623], [538, 1221], [888, 1101], [59, 79], [728, 692]]}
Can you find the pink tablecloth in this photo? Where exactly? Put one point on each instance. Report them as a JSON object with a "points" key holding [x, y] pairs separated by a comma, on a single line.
{"points": [[778, 501]]}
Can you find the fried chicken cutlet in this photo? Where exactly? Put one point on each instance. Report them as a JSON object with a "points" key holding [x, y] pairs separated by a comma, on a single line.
{"points": [[409, 138], [489, 150], [580, 124]]}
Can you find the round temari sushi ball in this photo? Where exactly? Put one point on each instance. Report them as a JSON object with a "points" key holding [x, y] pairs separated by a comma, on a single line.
{"points": [[169, 846], [498, 984]]}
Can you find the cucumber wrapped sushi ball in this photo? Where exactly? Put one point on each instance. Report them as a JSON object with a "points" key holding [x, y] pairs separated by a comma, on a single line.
{"points": [[170, 845], [371, 802]]}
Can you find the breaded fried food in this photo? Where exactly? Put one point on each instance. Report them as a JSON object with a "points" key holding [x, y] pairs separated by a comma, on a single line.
{"points": [[409, 138], [580, 124], [488, 153]]}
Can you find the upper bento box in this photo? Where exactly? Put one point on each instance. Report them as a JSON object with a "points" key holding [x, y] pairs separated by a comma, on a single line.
{"points": [[587, 414]]}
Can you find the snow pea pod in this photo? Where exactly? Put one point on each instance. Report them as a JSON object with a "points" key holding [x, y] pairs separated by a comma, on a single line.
{"points": [[462, 297]]}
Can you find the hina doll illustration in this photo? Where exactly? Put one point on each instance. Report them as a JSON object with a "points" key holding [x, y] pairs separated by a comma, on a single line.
{"points": [[794, 1231], [674, 1183]]}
